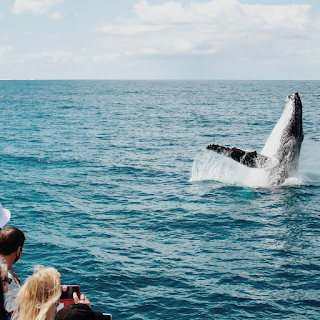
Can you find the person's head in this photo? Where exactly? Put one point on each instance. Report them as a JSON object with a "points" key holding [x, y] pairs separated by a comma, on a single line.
{"points": [[4, 275], [78, 311], [11, 241], [37, 295]]}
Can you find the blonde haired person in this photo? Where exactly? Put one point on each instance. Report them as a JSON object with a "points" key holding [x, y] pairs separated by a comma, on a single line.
{"points": [[39, 295]]}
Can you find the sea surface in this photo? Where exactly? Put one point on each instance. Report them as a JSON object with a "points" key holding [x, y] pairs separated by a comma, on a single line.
{"points": [[111, 183]]}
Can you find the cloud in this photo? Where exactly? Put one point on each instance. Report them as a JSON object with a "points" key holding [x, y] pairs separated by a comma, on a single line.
{"points": [[170, 12], [56, 16], [105, 57], [316, 23], [33, 6], [224, 27], [223, 13], [9, 56], [286, 17], [55, 57], [129, 28], [5, 50]]}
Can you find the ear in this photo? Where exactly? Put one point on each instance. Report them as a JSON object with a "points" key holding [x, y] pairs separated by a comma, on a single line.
{"points": [[19, 250]]}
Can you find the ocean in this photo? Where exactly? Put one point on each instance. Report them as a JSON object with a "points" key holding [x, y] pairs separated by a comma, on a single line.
{"points": [[113, 186]]}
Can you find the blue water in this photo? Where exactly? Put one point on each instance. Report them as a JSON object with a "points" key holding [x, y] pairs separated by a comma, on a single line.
{"points": [[100, 175]]}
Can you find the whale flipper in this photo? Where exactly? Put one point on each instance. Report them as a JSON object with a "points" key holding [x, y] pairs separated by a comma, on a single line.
{"points": [[251, 159]]}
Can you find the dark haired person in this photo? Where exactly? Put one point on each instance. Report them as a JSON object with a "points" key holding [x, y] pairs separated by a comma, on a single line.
{"points": [[11, 243]]}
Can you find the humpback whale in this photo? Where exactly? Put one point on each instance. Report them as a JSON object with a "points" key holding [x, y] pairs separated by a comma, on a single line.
{"points": [[280, 155]]}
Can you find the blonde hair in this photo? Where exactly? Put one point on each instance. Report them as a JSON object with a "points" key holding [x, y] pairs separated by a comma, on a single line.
{"points": [[3, 268], [38, 293]]}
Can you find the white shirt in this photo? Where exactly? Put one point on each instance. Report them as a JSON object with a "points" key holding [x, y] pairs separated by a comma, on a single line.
{"points": [[11, 295]]}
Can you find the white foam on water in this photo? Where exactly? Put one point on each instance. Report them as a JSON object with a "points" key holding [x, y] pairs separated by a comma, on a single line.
{"points": [[212, 166]]}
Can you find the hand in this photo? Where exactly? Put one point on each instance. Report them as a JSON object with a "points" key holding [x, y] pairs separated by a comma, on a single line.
{"points": [[83, 299]]}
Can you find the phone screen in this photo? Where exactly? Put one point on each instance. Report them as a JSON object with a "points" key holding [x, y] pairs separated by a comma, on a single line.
{"points": [[67, 295], [68, 290]]}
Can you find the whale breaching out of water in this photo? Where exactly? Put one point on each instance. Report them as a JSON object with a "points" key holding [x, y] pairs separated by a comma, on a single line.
{"points": [[280, 155]]}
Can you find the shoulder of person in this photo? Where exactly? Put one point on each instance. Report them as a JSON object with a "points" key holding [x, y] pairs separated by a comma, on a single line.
{"points": [[14, 283]]}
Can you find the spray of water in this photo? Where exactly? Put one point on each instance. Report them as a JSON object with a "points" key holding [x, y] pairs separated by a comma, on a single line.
{"points": [[211, 166]]}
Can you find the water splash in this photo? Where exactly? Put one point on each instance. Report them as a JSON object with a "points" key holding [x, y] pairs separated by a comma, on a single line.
{"points": [[211, 166]]}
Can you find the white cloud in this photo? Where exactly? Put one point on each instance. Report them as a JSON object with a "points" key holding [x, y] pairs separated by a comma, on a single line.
{"points": [[5, 50], [33, 6], [167, 13], [128, 28], [224, 13], [9, 56], [287, 17], [56, 16], [219, 26], [105, 57], [316, 23], [55, 57]]}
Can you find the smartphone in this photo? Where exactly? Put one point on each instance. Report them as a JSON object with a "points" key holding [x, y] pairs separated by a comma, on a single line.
{"points": [[67, 295]]}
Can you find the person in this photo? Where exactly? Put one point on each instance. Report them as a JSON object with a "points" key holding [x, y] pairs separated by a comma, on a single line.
{"points": [[5, 281], [11, 243], [4, 216], [2, 311], [81, 310], [38, 297]]}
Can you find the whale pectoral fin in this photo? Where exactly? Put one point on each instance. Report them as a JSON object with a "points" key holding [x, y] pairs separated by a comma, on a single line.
{"points": [[251, 159]]}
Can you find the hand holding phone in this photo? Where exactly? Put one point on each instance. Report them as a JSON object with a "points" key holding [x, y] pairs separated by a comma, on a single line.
{"points": [[67, 295], [68, 290], [83, 299]]}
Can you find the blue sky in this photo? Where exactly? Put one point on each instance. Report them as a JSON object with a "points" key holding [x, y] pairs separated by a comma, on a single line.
{"points": [[153, 39]]}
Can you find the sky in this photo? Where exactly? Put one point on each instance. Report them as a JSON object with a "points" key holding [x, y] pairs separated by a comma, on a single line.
{"points": [[154, 39]]}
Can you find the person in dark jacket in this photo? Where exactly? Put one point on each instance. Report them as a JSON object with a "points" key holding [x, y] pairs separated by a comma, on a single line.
{"points": [[81, 310]]}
